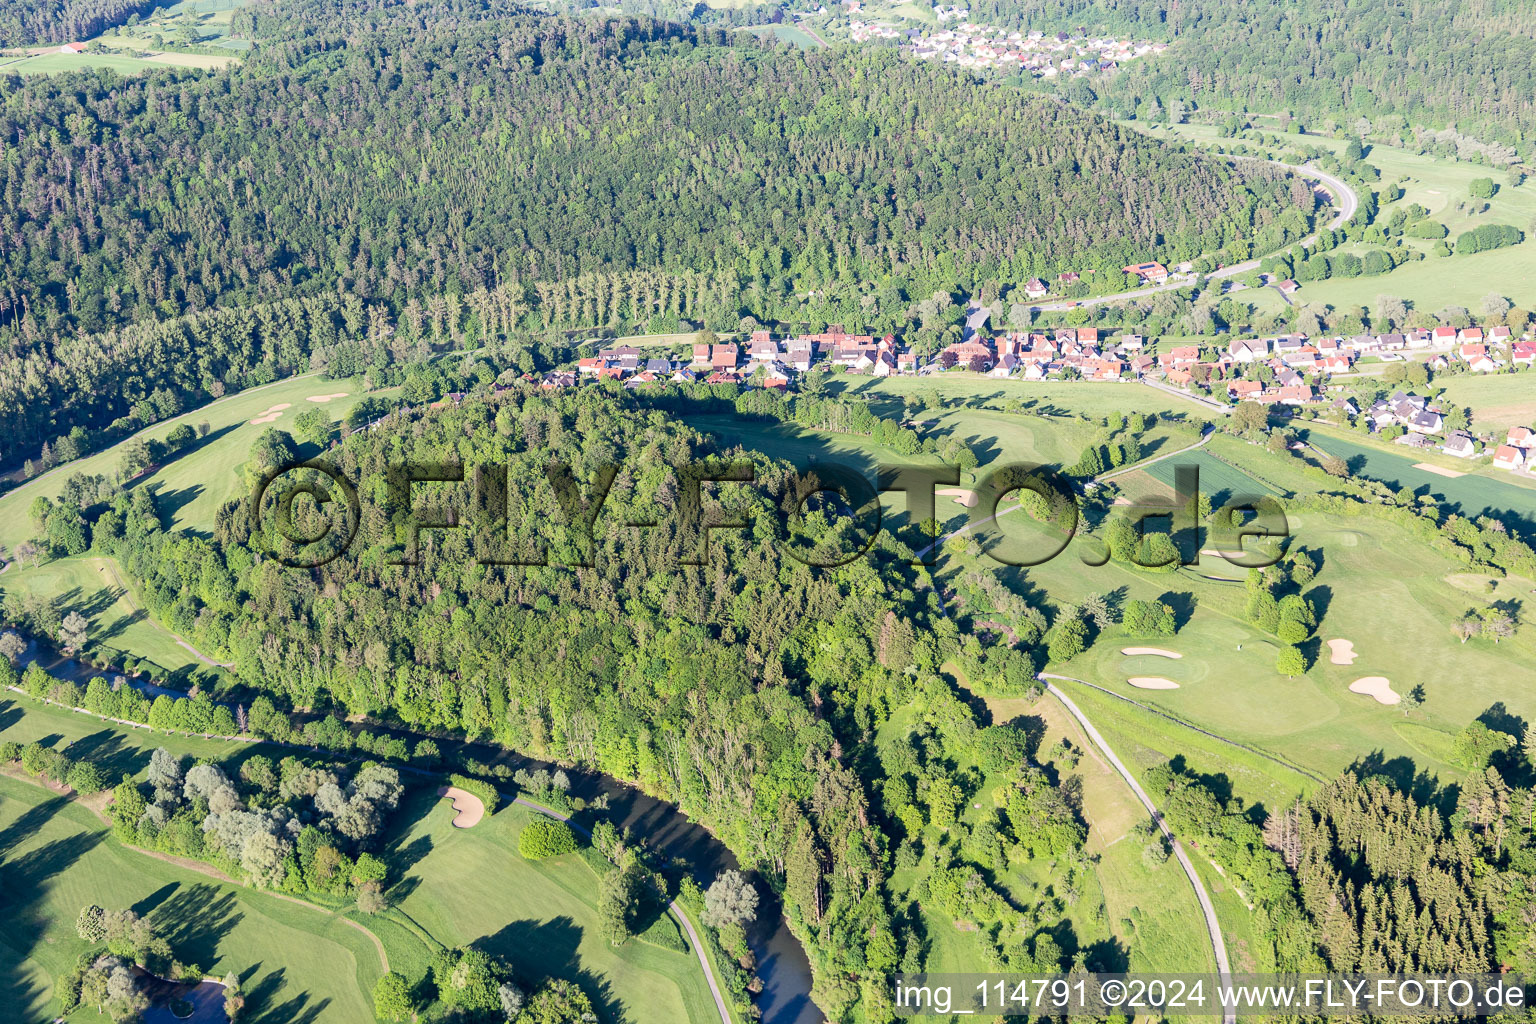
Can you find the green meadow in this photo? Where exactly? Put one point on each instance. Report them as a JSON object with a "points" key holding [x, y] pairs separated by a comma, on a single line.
{"points": [[461, 886], [1443, 188], [470, 887], [1498, 401], [193, 483], [296, 962]]}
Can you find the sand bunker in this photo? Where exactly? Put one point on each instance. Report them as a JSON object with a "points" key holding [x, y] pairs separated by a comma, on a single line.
{"points": [[1152, 683], [271, 413], [469, 807], [1156, 652], [1379, 687], [326, 398], [962, 496], [1438, 470], [1341, 652]]}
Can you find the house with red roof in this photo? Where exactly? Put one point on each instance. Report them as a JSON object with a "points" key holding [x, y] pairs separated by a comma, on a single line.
{"points": [[1507, 456], [1153, 272], [1294, 394]]}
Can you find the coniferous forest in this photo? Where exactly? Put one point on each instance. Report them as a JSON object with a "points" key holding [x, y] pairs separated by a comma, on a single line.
{"points": [[417, 154]]}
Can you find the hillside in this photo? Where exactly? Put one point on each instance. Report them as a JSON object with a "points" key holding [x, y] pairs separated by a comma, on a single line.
{"points": [[1420, 64], [443, 152]]}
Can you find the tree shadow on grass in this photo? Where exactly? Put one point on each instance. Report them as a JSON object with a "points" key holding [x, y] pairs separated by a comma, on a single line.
{"points": [[556, 943], [1402, 774], [29, 822], [195, 919], [262, 1006], [108, 750]]}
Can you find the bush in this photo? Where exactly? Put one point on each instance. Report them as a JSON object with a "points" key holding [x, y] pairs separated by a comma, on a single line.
{"points": [[545, 837], [477, 787], [10, 750], [85, 778]]}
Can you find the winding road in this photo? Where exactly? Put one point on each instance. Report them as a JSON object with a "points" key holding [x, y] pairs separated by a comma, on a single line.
{"points": [[1218, 943], [1338, 192]]}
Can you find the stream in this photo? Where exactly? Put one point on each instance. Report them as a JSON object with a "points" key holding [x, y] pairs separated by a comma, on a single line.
{"points": [[782, 964]]}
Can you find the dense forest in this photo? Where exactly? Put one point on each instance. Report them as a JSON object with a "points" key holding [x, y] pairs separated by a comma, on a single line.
{"points": [[424, 153], [58, 21], [748, 689], [1471, 65]]}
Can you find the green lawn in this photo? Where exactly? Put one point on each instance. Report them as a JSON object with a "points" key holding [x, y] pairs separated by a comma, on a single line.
{"points": [[1372, 575], [56, 856], [471, 886], [117, 622], [458, 886], [1498, 400], [53, 63], [1482, 490], [786, 33], [192, 484], [1221, 480], [1443, 188]]}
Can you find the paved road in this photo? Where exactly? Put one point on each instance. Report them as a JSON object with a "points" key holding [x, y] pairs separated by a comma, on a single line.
{"points": [[677, 912], [1218, 943], [1337, 191]]}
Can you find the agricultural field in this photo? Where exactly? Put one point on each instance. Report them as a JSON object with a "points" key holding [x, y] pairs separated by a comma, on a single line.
{"points": [[784, 33], [1481, 490], [1498, 401]]}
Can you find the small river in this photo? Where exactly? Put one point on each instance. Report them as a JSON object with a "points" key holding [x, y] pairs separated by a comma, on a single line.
{"points": [[781, 961]]}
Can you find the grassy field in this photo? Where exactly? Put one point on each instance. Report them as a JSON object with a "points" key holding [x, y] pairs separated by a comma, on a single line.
{"points": [[460, 886], [193, 483], [116, 621], [1483, 489], [785, 33], [1443, 188], [1498, 401], [56, 856], [1372, 574], [1148, 915], [210, 20], [471, 887]]}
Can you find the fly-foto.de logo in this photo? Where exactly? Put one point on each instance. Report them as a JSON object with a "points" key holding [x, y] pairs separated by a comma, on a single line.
{"points": [[308, 514]]}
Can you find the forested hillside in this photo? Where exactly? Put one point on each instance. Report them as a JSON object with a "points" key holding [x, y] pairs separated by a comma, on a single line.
{"points": [[1418, 63], [56, 21], [413, 154]]}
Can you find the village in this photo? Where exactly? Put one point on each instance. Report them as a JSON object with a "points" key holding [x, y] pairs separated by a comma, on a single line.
{"points": [[973, 45], [1303, 374]]}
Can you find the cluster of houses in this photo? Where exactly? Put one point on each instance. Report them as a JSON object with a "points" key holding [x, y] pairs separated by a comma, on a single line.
{"points": [[1421, 423], [1087, 353], [1038, 355], [1518, 450], [734, 364], [984, 46]]}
